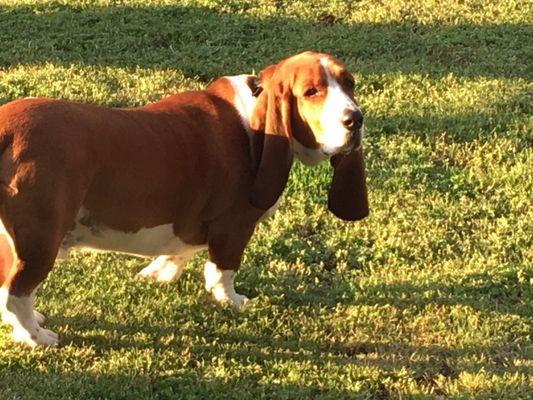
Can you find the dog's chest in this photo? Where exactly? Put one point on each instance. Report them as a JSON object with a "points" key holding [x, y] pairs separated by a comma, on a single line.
{"points": [[159, 240]]}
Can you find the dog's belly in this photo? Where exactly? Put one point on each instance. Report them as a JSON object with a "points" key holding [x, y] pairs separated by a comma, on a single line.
{"points": [[159, 240]]}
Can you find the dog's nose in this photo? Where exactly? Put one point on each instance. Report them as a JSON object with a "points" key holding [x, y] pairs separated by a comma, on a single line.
{"points": [[353, 119]]}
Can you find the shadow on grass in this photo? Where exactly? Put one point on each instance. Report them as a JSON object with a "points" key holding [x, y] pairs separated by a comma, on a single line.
{"points": [[188, 386], [184, 384], [184, 366], [205, 43], [503, 293], [392, 361]]}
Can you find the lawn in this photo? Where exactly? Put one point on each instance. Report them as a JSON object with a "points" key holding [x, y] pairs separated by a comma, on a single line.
{"points": [[429, 297]]}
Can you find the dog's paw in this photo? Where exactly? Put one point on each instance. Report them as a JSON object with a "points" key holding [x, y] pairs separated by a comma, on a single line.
{"points": [[230, 297], [39, 338], [220, 284], [242, 302], [162, 269], [40, 318]]}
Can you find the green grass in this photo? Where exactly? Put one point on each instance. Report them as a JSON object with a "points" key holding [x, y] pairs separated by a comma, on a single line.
{"points": [[430, 297]]}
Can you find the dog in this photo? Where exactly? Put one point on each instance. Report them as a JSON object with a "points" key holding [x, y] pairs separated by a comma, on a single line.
{"points": [[193, 171]]}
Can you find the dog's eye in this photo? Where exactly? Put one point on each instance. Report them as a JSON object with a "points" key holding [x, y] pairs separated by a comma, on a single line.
{"points": [[310, 92]]}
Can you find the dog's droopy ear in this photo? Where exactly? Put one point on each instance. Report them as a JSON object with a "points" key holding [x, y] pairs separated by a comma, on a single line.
{"points": [[272, 141], [347, 197]]}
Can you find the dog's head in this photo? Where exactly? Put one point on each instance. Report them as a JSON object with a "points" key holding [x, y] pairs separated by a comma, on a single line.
{"points": [[306, 108]]}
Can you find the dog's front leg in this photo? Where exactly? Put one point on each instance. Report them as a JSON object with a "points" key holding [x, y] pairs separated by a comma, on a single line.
{"points": [[219, 282], [225, 253]]}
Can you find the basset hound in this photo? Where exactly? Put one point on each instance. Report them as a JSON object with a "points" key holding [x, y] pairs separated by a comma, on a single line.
{"points": [[194, 171]]}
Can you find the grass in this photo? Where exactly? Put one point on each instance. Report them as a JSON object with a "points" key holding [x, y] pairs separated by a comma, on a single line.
{"points": [[430, 297]]}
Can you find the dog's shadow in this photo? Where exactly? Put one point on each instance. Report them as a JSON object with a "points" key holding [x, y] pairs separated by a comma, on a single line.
{"points": [[248, 349]]}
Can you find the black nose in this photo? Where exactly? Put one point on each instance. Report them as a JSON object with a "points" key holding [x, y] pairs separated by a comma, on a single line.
{"points": [[353, 119]]}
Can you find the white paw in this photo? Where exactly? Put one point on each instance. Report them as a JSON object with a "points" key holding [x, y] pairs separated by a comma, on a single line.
{"points": [[220, 283], [234, 299], [51, 334], [241, 302], [18, 312], [163, 269], [40, 318], [40, 337]]}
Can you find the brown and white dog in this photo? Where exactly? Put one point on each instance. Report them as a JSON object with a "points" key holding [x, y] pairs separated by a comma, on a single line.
{"points": [[193, 171]]}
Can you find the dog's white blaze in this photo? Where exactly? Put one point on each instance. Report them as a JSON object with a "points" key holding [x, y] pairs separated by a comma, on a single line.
{"points": [[336, 104], [159, 240], [18, 312], [244, 101], [220, 283]]}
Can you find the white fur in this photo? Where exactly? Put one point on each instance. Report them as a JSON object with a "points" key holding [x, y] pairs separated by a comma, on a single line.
{"points": [[18, 312], [336, 104], [307, 155], [145, 242], [40, 318], [166, 268], [220, 283], [244, 101]]}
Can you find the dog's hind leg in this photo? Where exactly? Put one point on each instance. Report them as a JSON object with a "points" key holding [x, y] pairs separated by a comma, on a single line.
{"points": [[168, 268], [164, 268], [7, 258], [33, 256], [40, 195], [18, 312], [33, 238]]}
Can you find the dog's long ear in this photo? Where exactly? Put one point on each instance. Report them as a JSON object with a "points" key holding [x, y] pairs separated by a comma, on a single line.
{"points": [[272, 141], [347, 197]]}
